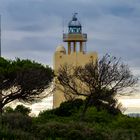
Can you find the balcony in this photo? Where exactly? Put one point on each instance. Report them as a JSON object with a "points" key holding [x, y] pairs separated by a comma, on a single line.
{"points": [[74, 37]]}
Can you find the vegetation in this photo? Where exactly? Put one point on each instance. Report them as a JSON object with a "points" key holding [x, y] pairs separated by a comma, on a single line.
{"points": [[22, 80], [25, 80], [99, 82], [19, 109], [64, 124]]}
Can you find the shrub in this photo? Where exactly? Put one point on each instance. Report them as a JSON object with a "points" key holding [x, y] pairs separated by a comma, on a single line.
{"points": [[75, 135], [68, 108], [8, 109], [22, 135], [125, 134], [15, 134], [101, 117], [17, 121], [125, 122], [22, 109], [50, 130]]}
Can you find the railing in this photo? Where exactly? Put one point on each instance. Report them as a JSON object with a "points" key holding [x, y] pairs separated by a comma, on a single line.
{"points": [[67, 37]]}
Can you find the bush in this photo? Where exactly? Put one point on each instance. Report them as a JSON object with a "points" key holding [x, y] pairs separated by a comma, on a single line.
{"points": [[68, 108], [17, 121], [15, 134], [121, 134], [101, 117], [75, 135], [51, 130], [124, 122], [22, 109], [19, 109], [8, 109]]}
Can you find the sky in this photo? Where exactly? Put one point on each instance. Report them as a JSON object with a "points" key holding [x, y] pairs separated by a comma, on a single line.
{"points": [[33, 29]]}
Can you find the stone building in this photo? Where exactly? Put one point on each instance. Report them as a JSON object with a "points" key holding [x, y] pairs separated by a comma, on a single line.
{"points": [[74, 54]]}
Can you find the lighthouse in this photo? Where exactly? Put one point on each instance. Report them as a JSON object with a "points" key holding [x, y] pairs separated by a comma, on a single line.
{"points": [[73, 54]]}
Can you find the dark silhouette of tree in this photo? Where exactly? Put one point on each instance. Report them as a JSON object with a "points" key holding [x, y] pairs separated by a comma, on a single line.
{"points": [[19, 109], [22, 109], [23, 80], [8, 109], [98, 82]]}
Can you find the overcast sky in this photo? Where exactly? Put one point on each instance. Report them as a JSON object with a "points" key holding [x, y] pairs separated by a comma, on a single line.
{"points": [[33, 28]]}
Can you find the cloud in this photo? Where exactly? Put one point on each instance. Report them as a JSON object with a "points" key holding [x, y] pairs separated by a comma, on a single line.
{"points": [[33, 28], [36, 25], [113, 26], [30, 28]]}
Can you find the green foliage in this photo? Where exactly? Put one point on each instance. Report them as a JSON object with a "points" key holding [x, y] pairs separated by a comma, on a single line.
{"points": [[65, 112], [69, 131], [17, 121], [98, 82], [124, 122], [69, 107], [45, 116], [126, 134], [8, 109], [22, 109], [19, 109], [97, 125], [101, 117], [51, 130], [23, 80], [16, 134], [75, 135]]}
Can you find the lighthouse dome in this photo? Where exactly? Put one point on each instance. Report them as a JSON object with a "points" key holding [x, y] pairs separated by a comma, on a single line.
{"points": [[61, 49], [74, 22], [74, 25]]}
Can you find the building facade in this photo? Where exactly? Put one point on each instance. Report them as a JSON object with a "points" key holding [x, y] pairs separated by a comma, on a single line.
{"points": [[75, 54]]}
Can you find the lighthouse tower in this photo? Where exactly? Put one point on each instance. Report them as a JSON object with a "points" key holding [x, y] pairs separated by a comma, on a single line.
{"points": [[75, 37], [75, 53]]}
